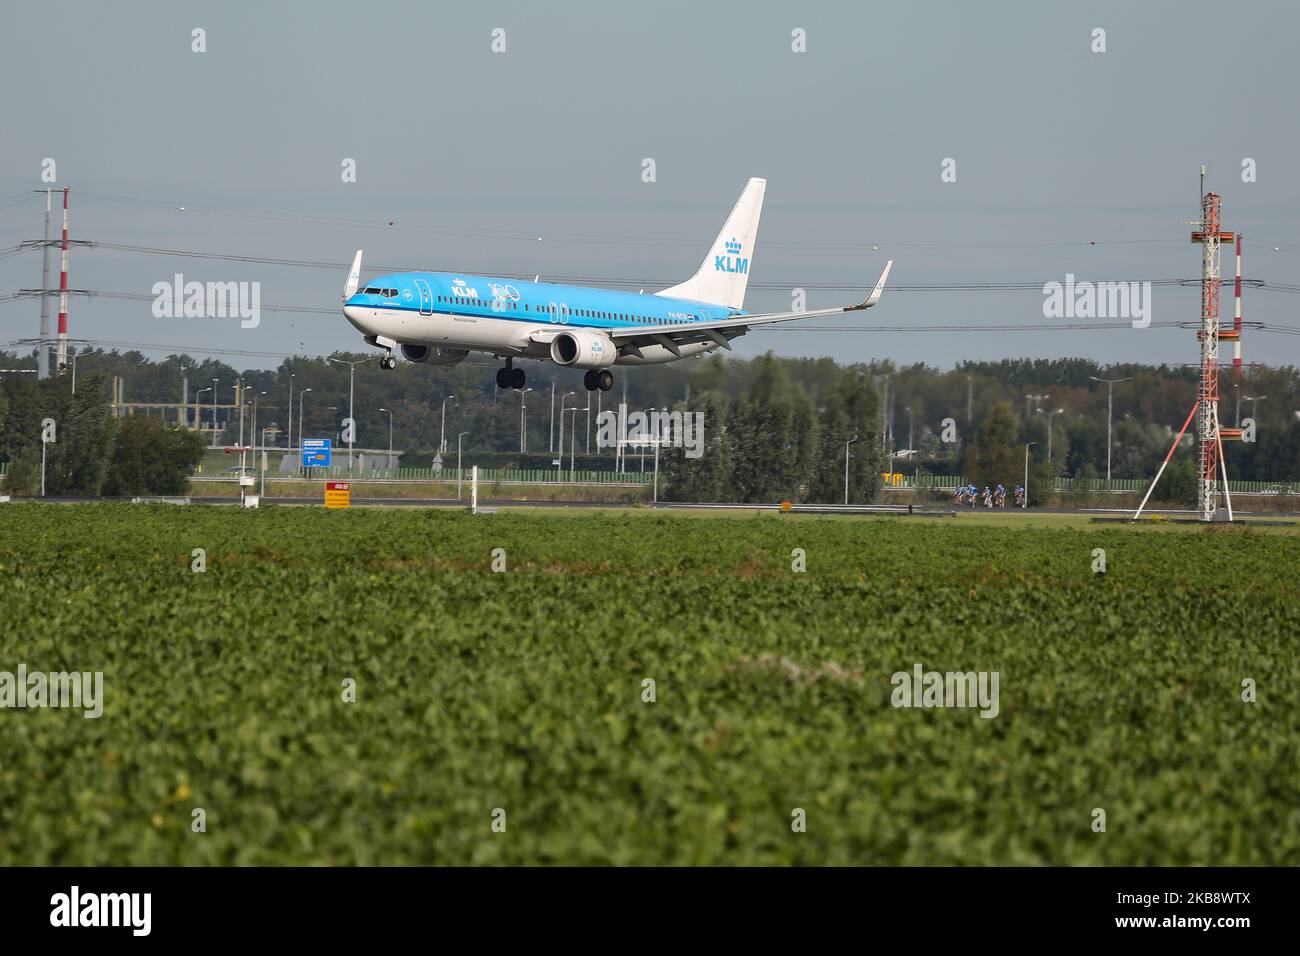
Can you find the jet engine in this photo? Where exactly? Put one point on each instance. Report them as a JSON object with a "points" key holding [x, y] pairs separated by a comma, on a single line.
{"points": [[582, 348]]}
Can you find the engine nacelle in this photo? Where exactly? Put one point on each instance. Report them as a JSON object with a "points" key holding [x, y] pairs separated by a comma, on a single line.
{"points": [[581, 348], [428, 355]]}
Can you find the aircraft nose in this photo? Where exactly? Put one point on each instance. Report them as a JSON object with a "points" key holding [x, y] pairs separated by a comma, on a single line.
{"points": [[356, 315]]}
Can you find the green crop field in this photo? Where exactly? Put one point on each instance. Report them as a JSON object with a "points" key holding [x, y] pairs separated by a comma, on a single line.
{"points": [[519, 696]]}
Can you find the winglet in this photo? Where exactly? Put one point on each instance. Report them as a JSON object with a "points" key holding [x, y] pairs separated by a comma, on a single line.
{"points": [[354, 278], [880, 287]]}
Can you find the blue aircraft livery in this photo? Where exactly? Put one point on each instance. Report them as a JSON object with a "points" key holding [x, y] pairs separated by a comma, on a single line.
{"points": [[438, 318]]}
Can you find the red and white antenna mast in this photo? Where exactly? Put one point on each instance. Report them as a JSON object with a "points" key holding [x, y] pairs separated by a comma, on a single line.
{"points": [[63, 291], [1211, 466], [1236, 316]]}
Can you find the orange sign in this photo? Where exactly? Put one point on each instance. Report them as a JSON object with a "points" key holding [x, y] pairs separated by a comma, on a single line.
{"points": [[338, 494]]}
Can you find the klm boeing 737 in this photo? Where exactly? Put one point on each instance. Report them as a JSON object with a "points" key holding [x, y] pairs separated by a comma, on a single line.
{"points": [[440, 317]]}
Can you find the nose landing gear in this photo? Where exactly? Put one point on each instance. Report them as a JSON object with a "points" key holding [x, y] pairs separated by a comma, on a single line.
{"points": [[388, 362], [602, 379]]}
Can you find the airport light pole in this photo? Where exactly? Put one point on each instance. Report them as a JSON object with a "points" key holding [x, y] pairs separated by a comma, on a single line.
{"points": [[559, 463], [390, 436], [458, 471], [1110, 388], [352, 368], [442, 435], [846, 467], [523, 422], [551, 445], [239, 400], [1025, 500]]}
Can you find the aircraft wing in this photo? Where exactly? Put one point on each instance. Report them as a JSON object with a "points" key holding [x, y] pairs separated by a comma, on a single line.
{"points": [[722, 331]]}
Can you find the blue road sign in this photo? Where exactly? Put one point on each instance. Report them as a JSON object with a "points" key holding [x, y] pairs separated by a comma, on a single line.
{"points": [[316, 452]]}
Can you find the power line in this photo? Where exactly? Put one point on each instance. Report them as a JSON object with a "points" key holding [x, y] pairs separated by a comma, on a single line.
{"points": [[639, 283]]}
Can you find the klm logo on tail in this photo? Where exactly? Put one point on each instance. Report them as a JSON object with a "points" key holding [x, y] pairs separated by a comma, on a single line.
{"points": [[732, 261]]}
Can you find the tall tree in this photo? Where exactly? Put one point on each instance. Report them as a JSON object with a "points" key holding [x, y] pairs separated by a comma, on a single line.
{"points": [[992, 458]]}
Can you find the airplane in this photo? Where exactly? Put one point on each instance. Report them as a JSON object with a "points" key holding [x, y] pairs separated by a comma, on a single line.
{"points": [[438, 318]]}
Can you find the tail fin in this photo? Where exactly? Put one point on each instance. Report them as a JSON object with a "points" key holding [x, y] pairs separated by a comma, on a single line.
{"points": [[723, 275]]}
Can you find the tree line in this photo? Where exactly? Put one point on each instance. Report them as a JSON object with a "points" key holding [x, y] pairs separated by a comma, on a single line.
{"points": [[91, 452], [777, 426]]}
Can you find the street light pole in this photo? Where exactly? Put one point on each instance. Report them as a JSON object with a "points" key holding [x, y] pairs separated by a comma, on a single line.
{"points": [[259, 465], [1110, 388], [846, 467], [551, 445], [214, 413], [390, 436], [1253, 399], [198, 410], [1024, 502], [559, 462], [1049, 413], [352, 368], [573, 440], [301, 416], [458, 470], [442, 435], [288, 426], [253, 431], [523, 422]]}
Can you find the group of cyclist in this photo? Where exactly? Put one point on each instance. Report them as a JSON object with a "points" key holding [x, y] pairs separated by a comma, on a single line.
{"points": [[970, 496]]}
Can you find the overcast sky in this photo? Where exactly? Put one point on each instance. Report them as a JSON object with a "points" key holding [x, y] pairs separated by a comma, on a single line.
{"points": [[473, 154]]}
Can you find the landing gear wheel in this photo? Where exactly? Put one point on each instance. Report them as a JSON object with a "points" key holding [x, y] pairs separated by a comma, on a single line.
{"points": [[517, 378], [388, 362], [503, 377], [591, 380], [605, 380]]}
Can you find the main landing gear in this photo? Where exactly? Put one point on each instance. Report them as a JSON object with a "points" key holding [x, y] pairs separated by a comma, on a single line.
{"points": [[511, 377], [602, 379]]}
